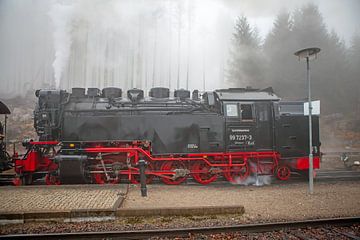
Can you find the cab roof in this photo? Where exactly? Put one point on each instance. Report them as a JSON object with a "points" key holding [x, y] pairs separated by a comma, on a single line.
{"points": [[247, 94]]}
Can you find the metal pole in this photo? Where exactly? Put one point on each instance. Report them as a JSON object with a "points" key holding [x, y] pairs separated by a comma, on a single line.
{"points": [[142, 165], [311, 167], [5, 129]]}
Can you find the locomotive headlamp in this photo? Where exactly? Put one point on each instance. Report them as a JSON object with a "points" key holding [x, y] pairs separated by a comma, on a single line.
{"points": [[309, 54], [71, 145]]}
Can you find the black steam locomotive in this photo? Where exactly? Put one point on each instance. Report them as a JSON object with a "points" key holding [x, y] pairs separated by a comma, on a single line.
{"points": [[100, 136]]}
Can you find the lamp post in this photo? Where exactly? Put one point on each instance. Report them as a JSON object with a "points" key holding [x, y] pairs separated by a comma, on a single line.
{"points": [[309, 54]]}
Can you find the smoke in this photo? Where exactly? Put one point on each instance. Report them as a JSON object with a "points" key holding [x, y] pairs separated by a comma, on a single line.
{"points": [[136, 44], [62, 16], [254, 177], [255, 180]]}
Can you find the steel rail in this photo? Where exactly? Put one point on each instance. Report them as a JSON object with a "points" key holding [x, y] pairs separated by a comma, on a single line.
{"points": [[184, 232]]}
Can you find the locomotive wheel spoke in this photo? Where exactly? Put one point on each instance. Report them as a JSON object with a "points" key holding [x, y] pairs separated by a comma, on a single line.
{"points": [[171, 166], [283, 173], [237, 174], [135, 177], [202, 174]]}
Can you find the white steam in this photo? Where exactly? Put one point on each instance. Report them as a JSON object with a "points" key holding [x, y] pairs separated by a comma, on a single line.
{"points": [[62, 16], [255, 180]]}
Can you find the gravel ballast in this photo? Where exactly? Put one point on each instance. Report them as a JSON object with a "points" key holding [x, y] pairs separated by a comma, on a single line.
{"points": [[281, 202]]}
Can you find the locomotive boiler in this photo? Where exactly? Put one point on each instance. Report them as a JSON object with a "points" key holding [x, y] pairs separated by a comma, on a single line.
{"points": [[99, 137]]}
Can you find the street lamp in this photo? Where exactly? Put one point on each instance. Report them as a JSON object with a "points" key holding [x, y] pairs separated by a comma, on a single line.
{"points": [[309, 54]]}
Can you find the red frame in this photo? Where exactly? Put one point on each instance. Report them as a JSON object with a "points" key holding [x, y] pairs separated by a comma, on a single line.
{"points": [[36, 161]]}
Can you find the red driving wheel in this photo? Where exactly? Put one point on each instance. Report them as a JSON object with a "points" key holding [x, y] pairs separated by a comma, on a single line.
{"points": [[201, 173], [171, 166], [237, 174], [283, 173], [135, 176]]}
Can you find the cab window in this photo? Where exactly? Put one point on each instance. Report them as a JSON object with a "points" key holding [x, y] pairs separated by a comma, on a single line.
{"points": [[231, 110], [247, 113]]}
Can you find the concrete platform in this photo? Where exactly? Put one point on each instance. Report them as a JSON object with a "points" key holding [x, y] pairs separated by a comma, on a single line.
{"points": [[58, 198], [106, 202], [73, 203], [64, 203]]}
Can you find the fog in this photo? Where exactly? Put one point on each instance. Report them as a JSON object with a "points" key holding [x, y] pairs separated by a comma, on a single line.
{"points": [[65, 44], [175, 44]]}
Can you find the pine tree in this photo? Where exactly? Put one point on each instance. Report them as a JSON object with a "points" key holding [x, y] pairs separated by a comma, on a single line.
{"points": [[279, 33], [279, 48], [328, 73], [245, 66], [309, 26], [354, 74]]}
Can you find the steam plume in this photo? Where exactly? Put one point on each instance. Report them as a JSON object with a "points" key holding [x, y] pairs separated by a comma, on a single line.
{"points": [[62, 16]]}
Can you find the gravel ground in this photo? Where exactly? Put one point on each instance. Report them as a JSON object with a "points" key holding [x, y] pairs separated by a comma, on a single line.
{"points": [[280, 201], [262, 204]]}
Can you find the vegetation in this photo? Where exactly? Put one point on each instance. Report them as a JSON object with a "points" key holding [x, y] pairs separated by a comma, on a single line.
{"points": [[335, 74]]}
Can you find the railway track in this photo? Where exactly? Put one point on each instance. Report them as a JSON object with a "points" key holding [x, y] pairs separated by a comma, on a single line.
{"points": [[338, 174], [295, 228]]}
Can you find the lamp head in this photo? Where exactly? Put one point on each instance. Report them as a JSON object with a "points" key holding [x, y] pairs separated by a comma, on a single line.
{"points": [[310, 53]]}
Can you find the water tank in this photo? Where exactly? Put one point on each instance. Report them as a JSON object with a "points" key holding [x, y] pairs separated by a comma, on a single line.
{"points": [[182, 93], [78, 92], [93, 92], [111, 92], [159, 92]]}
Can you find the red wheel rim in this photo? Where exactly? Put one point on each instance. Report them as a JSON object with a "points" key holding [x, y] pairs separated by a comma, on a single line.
{"points": [[202, 174], [170, 166], [237, 173], [51, 180], [283, 173], [135, 177]]}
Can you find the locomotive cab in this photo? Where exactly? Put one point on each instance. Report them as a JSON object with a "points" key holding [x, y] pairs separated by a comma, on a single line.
{"points": [[249, 119]]}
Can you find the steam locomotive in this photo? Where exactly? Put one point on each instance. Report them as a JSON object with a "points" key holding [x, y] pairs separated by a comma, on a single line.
{"points": [[100, 136]]}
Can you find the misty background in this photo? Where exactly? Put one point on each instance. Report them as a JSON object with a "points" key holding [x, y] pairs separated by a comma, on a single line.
{"points": [[191, 44]]}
